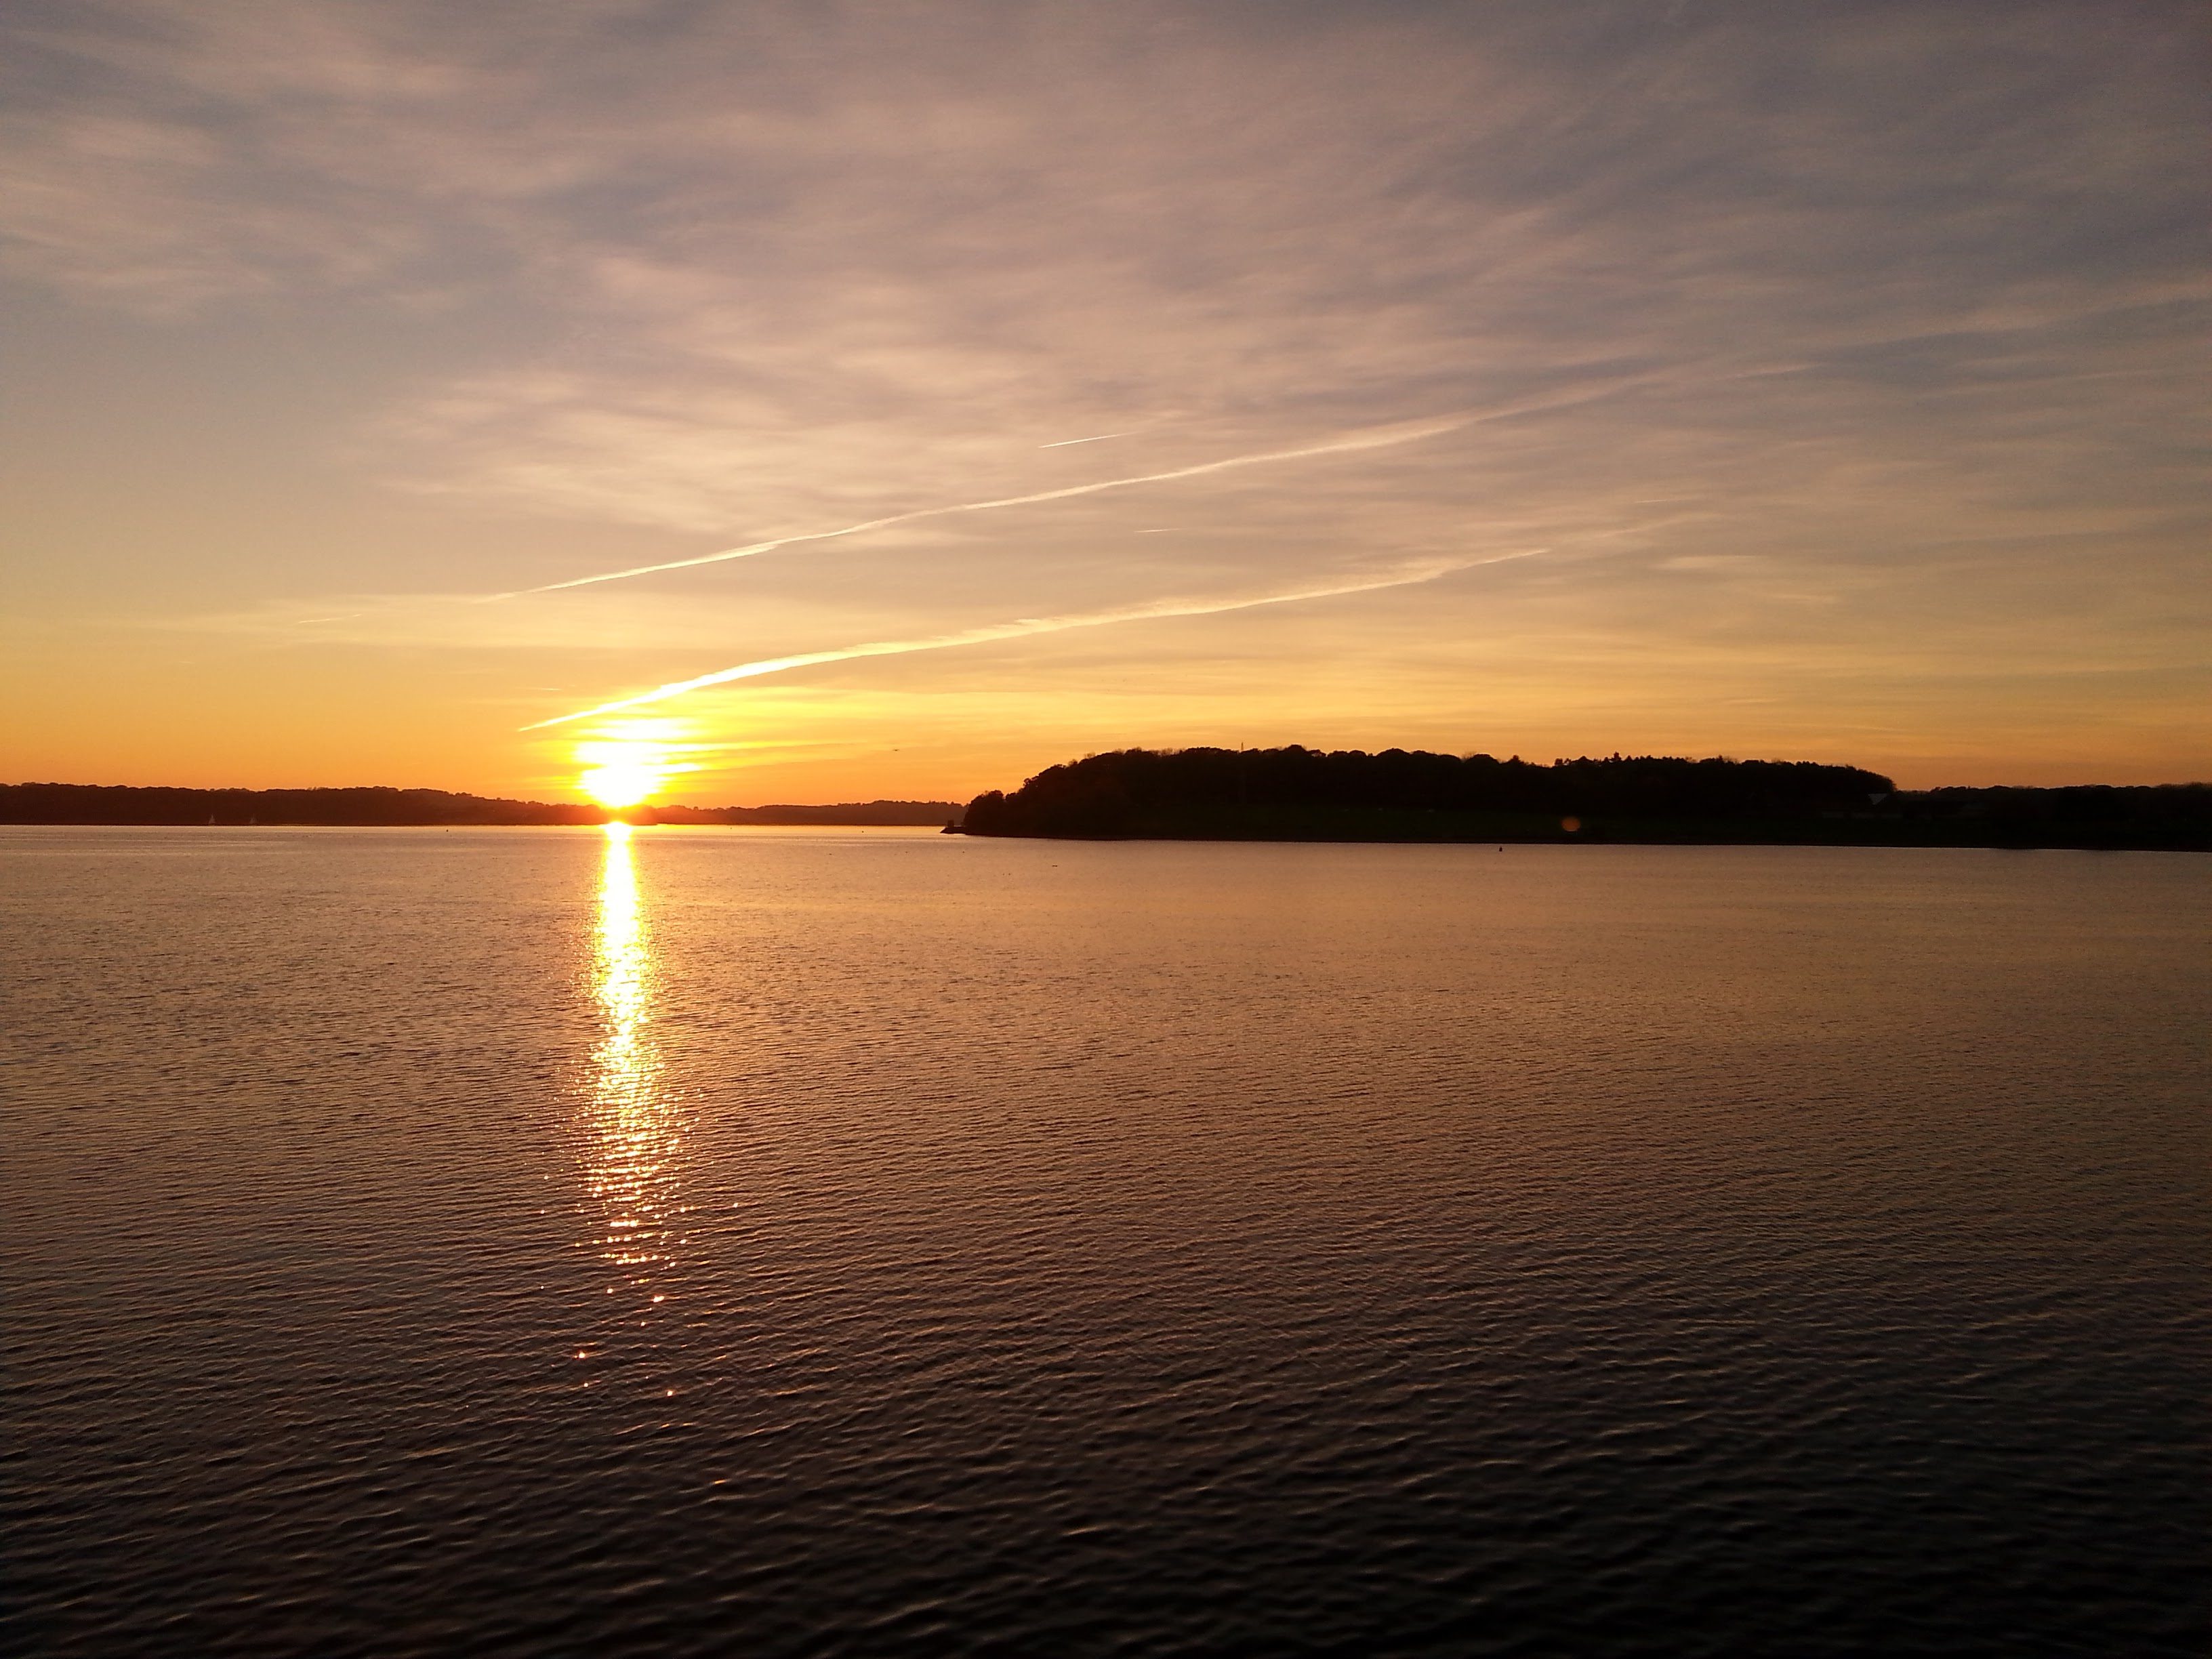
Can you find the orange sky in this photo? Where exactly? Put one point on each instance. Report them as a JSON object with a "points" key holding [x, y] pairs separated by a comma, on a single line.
{"points": [[1697, 380]]}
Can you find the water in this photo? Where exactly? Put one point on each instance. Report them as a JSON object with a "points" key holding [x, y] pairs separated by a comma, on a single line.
{"points": [[822, 1243]]}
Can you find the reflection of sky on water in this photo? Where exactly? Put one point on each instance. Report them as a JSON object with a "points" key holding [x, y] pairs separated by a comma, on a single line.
{"points": [[633, 1138]]}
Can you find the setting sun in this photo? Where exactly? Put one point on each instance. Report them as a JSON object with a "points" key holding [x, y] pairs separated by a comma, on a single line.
{"points": [[623, 782], [628, 767]]}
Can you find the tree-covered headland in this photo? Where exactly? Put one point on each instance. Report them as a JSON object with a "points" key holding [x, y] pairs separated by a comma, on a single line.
{"points": [[1298, 794]]}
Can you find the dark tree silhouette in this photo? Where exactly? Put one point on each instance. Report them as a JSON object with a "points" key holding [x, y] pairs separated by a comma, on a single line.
{"points": [[1300, 793], [85, 802]]}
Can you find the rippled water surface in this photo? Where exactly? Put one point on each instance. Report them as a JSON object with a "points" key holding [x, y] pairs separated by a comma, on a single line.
{"points": [[879, 1242]]}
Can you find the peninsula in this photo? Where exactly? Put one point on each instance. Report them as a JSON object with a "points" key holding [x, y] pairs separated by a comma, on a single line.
{"points": [[1296, 794]]}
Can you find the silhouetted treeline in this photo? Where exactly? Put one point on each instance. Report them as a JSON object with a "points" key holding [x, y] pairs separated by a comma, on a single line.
{"points": [[85, 803], [1303, 794]]}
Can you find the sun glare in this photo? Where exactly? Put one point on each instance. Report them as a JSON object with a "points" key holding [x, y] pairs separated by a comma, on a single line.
{"points": [[626, 768], [622, 783]]}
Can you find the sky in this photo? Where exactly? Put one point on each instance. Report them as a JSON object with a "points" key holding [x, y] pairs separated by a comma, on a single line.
{"points": [[832, 402]]}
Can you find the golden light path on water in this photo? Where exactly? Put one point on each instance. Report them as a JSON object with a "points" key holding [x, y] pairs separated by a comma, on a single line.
{"points": [[633, 1139]]}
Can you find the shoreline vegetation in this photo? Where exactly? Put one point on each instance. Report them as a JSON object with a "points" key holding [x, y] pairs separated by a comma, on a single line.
{"points": [[125, 803], [1296, 794]]}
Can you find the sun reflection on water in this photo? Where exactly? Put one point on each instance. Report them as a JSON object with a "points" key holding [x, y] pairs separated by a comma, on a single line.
{"points": [[635, 1139]]}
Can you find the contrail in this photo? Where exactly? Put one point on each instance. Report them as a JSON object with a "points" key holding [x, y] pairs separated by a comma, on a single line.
{"points": [[1025, 625], [1379, 438], [1100, 439]]}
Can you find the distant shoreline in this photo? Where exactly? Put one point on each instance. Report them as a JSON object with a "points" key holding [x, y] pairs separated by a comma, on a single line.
{"points": [[1284, 795], [118, 806]]}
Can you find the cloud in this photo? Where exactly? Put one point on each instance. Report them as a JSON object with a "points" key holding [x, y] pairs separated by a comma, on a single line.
{"points": [[796, 261]]}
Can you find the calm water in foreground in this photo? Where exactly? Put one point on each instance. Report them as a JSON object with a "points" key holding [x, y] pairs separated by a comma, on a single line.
{"points": [[877, 1242]]}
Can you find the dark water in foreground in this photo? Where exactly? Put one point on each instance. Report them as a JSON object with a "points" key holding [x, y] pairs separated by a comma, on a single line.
{"points": [[819, 1242]]}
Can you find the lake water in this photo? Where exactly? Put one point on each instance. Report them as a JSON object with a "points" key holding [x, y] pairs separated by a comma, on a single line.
{"points": [[819, 1242]]}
